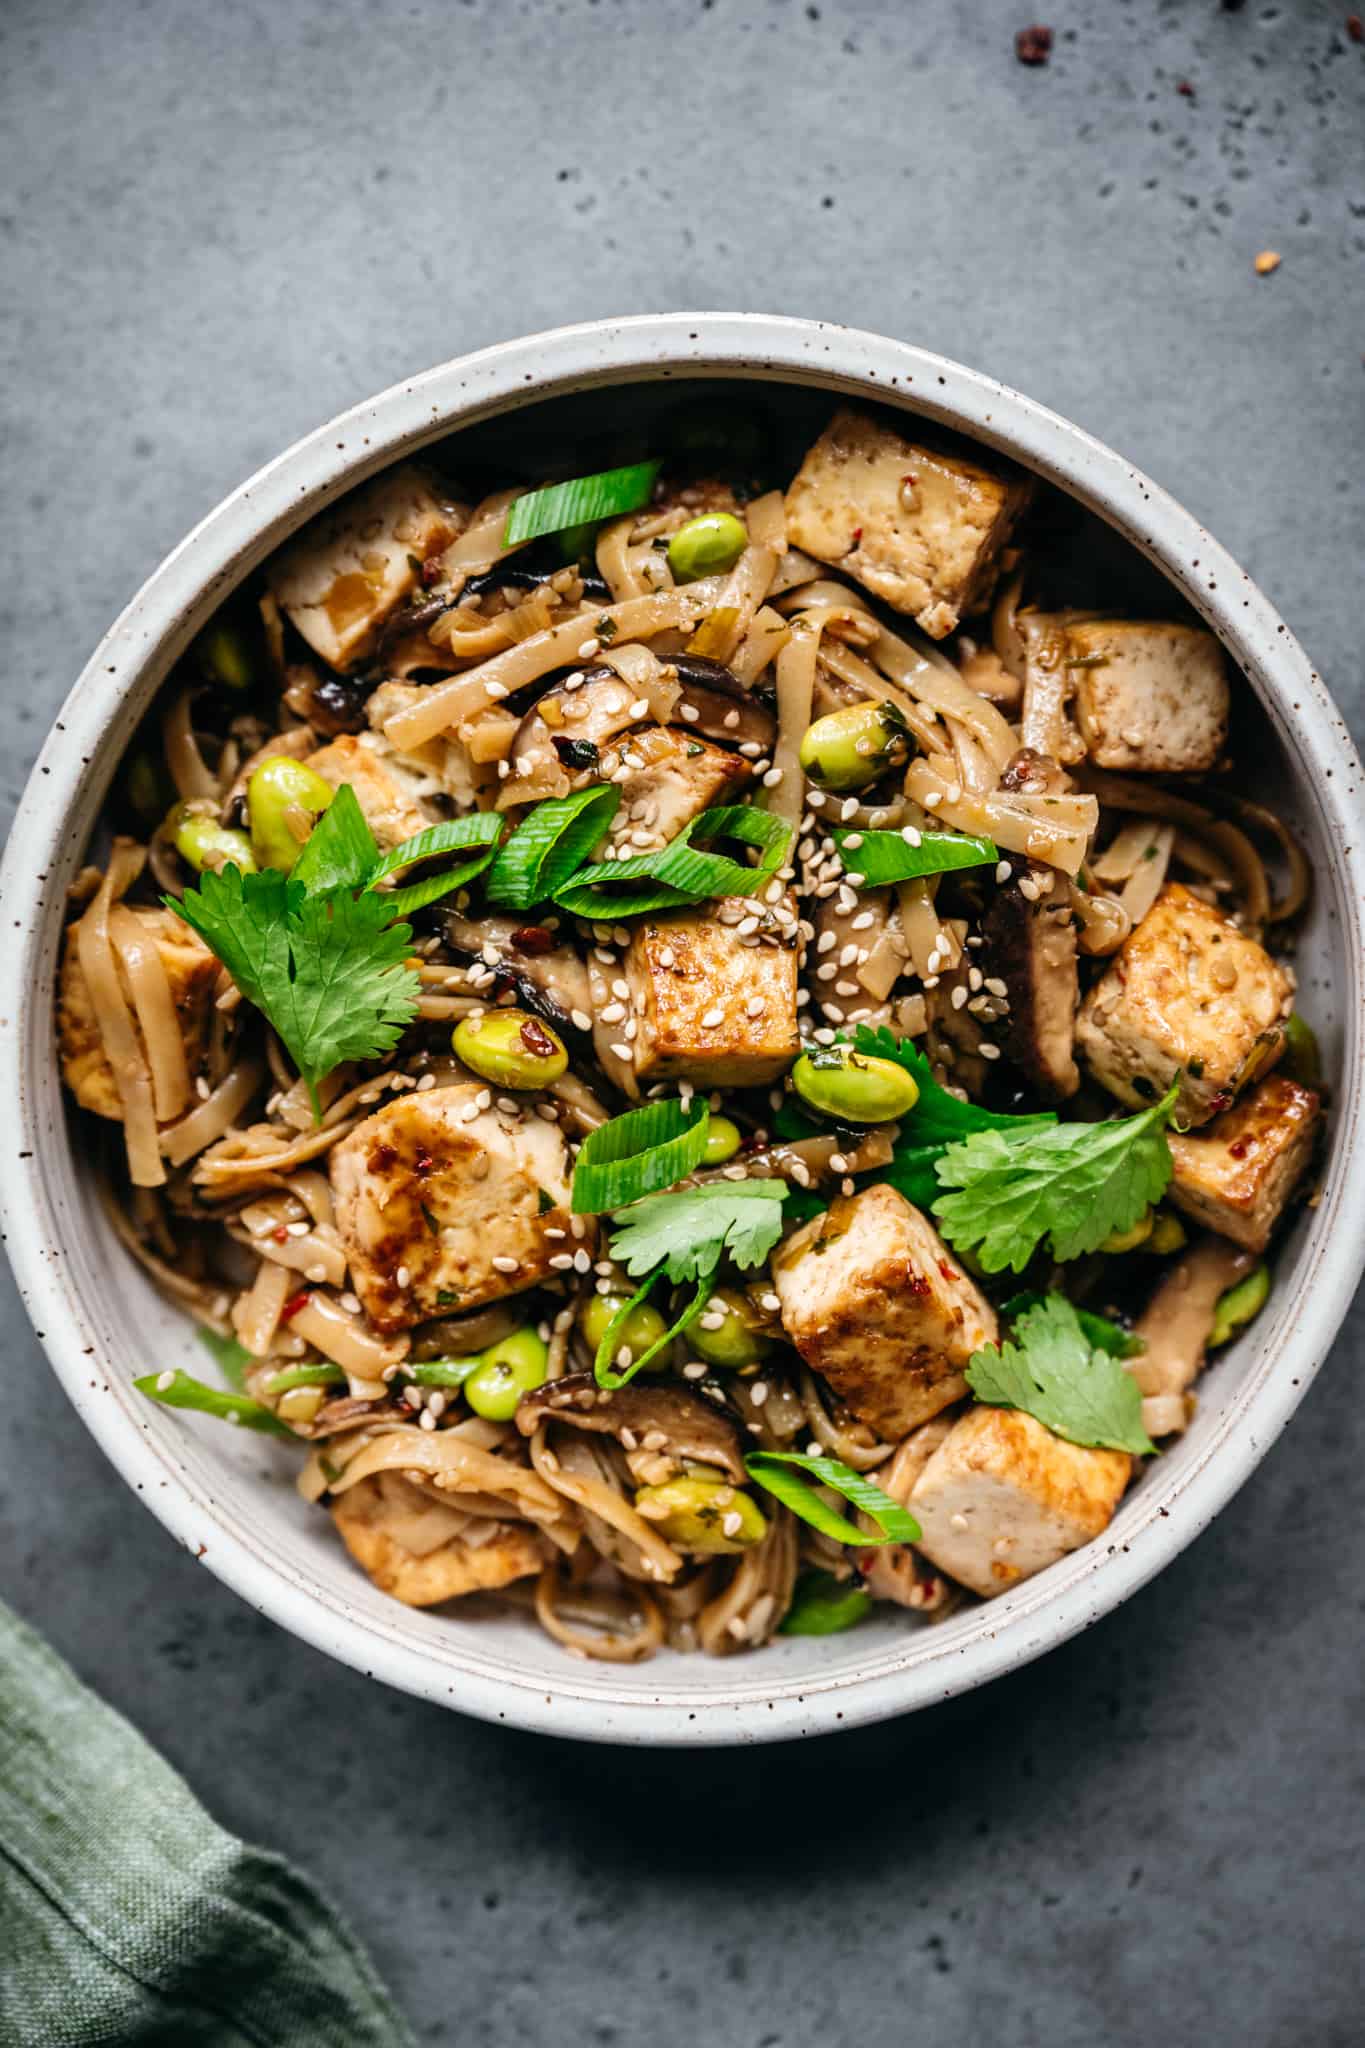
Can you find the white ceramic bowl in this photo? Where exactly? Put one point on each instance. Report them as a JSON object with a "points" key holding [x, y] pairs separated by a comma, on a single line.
{"points": [[229, 1497]]}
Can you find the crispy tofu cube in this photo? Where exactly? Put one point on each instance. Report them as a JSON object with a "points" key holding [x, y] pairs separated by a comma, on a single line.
{"points": [[873, 1300], [420, 1551], [384, 788], [351, 568], [1150, 696], [921, 529], [191, 972], [444, 1206], [1002, 1498], [709, 1008], [1240, 1171], [667, 777], [1186, 992]]}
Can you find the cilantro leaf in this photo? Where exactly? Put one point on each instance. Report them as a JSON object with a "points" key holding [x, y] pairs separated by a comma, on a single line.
{"points": [[1074, 1388], [689, 1231], [1100, 1332], [1070, 1183], [328, 972], [341, 851]]}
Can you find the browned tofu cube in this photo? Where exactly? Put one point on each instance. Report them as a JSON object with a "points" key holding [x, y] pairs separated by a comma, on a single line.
{"points": [[191, 972], [1149, 696], [442, 1205], [708, 1007], [873, 1299], [1186, 992], [1002, 1498], [919, 528], [1240, 1171], [384, 788], [348, 570], [667, 776], [419, 1550]]}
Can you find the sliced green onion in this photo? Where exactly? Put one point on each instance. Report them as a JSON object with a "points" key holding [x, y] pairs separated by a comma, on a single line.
{"points": [[603, 1366], [340, 851], [1100, 1332], [178, 1390], [550, 843], [319, 1374], [443, 1372], [583, 499], [824, 1606], [234, 1360], [781, 1472], [478, 832], [878, 857], [641, 1153], [679, 873]]}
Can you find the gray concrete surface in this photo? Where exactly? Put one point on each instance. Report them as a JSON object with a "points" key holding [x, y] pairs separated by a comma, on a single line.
{"points": [[221, 223]]}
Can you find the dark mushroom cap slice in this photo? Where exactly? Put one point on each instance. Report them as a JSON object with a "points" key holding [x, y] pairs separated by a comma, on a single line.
{"points": [[690, 1429]]}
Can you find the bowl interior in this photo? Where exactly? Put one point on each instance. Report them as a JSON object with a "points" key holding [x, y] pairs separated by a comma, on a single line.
{"points": [[233, 1493]]}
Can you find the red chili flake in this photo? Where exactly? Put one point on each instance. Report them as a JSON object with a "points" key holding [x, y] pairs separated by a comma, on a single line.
{"points": [[295, 1303], [918, 1284], [1220, 1100], [533, 938], [857, 536], [1355, 28], [1239, 1148], [1185, 89], [431, 570], [948, 1272], [537, 1040], [280, 1234], [424, 1162], [1033, 45], [911, 480]]}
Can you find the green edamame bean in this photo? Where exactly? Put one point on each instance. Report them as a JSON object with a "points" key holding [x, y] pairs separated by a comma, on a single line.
{"points": [[514, 1366], [643, 1326], [853, 1086], [1168, 1234], [1301, 1059], [223, 653], [737, 1339], [709, 1515], [1239, 1305], [203, 843], [283, 795], [707, 546], [847, 749], [510, 1048], [1129, 1240], [723, 1140]]}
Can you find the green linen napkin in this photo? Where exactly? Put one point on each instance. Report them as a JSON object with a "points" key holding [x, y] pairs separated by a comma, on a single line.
{"points": [[128, 1917]]}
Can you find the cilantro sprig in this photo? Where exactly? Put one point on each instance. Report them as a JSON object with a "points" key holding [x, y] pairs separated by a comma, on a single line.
{"points": [[322, 953], [683, 1236], [1053, 1372], [1072, 1184]]}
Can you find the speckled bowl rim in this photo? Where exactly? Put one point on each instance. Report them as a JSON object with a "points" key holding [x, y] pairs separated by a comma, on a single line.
{"points": [[633, 1704]]}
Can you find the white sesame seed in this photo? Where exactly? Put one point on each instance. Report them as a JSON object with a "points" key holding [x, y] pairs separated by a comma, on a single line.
{"points": [[755, 1006], [772, 778], [427, 1081], [580, 1020], [931, 799], [758, 1393], [1028, 887], [494, 689], [711, 1018], [588, 649], [403, 1277], [732, 1523], [814, 1450], [694, 1371], [1003, 871], [853, 841], [958, 997], [688, 713], [164, 1382], [989, 1052], [640, 707], [582, 1260], [502, 1263], [623, 1051], [912, 835], [561, 1262]]}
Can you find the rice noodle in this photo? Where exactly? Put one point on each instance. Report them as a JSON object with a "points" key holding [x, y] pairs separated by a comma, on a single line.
{"points": [[256, 1314], [118, 1033], [189, 771], [443, 705], [1245, 867], [160, 1027], [454, 1464], [795, 684], [847, 1443], [750, 1607], [1057, 829], [346, 1339], [626, 1645], [1145, 882], [475, 551], [768, 634], [212, 1118], [597, 1498]]}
